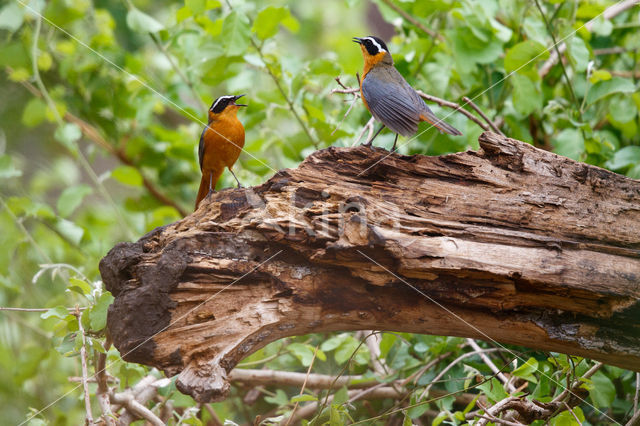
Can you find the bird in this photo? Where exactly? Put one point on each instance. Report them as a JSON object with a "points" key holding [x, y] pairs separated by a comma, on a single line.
{"points": [[220, 145], [388, 96]]}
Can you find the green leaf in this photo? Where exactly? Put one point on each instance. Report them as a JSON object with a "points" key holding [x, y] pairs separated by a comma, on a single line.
{"points": [[34, 112], [345, 350], [526, 370], [140, 22], [494, 390], [69, 230], [603, 392], [303, 352], [71, 198], [567, 419], [79, 286], [569, 143], [623, 108], [7, 168], [605, 88], [57, 312], [341, 396], [333, 342], [523, 54], [268, 20], [127, 175], [280, 398], [578, 53], [98, 312], [625, 157], [526, 98], [303, 398], [67, 134], [11, 17], [236, 34], [196, 6]]}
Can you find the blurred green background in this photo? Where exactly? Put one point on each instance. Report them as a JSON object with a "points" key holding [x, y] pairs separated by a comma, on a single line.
{"points": [[102, 105]]}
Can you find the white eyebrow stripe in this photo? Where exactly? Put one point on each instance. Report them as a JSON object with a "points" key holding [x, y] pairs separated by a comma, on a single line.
{"points": [[219, 99], [372, 40]]}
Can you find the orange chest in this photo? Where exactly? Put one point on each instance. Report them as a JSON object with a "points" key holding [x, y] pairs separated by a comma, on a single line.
{"points": [[364, 75], [223, 142]]}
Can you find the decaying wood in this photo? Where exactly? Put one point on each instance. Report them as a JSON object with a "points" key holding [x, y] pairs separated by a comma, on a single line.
{"points": [[508, 243]]}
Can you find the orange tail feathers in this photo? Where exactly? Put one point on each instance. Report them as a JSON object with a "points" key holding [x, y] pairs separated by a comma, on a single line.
{"points": [[208, 177], [430, 118]]}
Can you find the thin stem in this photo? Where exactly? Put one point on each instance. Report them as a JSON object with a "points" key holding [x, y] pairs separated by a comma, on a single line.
{"points": [[482, 114], [279, 86], [52, 106], [25, 231], [7, 308], [177, 69], [284, 94], [94, 135], [557, 49], [413, 20], [85, 371]]}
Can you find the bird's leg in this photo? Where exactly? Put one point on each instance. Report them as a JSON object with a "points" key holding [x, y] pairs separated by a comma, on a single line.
{"points": [[393, 148], [234, 175], [210, 185], [368, 143]]}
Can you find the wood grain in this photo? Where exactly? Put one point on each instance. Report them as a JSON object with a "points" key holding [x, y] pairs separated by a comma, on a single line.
{"points": [[509, 243]]}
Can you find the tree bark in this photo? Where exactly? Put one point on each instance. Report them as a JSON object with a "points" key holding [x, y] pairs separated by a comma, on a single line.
{"points": [[509, 243]]}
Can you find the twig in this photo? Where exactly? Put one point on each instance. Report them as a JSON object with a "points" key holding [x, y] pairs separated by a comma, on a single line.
{"points": [[304, 384], [369, 127], [452, 364], [578, 383], [557, 50], [134, 399], [637, 395], [609, 13], [455, 106], [635, 420], [94, 135], [494, 410], [495, 419], [491, 365], [372, 340], [356, 95], [411, 19], [287, 378], [85, 372], [571, 411], [178, 70], [416, 376], [25, 231], [127, 400], [610, 51], [102, 393], [214, 417], [54, 110], [469, 102], [71, 310]]}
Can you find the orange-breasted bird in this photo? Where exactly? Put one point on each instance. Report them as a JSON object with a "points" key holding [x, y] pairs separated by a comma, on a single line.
{"points": [[388, 96], [221, 142]]}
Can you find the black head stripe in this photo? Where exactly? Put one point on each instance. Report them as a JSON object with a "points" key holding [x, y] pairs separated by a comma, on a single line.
{"points": [[220, 104], [374, 45]]}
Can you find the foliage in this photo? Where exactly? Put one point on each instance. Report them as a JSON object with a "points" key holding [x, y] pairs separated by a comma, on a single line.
{"points": [[103, 106]]}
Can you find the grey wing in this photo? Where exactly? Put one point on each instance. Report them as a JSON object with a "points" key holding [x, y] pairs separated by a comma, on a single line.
{"points": [[201, 147], [394, 104]]}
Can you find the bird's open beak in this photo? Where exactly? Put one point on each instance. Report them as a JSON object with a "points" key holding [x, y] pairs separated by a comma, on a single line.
{"points": [[357, 40], [236, 98]]}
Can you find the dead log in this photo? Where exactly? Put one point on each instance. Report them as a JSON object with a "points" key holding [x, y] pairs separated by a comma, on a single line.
{"points": [[509, 243]]}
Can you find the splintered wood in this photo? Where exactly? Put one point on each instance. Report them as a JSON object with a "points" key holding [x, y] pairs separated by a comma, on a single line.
{"points": [[509, 243]]}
